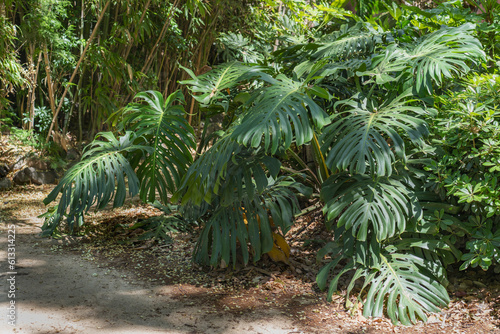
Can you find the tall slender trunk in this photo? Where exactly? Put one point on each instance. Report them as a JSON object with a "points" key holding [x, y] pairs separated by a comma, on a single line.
{"points": [[164, 30], [131, 42], [94, 32], [50, 84], [32, 88]]}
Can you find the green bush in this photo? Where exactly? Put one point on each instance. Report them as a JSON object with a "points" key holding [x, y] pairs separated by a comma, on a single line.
{"points": [[466, 167]]}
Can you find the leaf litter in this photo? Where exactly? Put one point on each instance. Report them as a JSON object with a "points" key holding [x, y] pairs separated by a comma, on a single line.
{"points": [[255, 290]]}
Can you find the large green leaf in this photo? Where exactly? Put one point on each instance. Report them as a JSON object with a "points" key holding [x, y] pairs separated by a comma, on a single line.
{"points": [[279, 114], [347, 43], [358, 138], [211, 87], [96, 180], [444, 53], [405, 287], [400, 283], [387, 67], [161, 122], [247, 221], [364, 205]]}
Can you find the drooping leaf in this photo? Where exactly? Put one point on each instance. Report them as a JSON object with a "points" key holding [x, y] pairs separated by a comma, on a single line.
{"points": [[161, 122], [365, 206], [387, 67], [278, 115], [97, 179], [248, 221], [212, 86], [364, 137], [349, 42], [405, 287], [444, 53]]}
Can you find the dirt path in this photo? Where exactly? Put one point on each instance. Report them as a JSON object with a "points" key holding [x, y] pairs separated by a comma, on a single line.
{"points": [[57, 292], [77, 286]]}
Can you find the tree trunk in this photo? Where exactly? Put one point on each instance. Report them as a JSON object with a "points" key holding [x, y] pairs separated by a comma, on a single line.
{"points": [[50, 84]]}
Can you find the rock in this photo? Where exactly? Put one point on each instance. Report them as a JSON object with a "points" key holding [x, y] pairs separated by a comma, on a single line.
{"points": [[5, 183], [20, 163], [38, 164], [49, 177], [72, 154], [31, 175], [23, 176], [4, 170]]}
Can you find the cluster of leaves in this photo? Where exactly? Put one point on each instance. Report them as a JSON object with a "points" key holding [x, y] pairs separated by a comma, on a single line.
{"points": [[466, 169], [152, 154], [11, 73], [464, 137], [278, 24], [376, 198], [363, 96]]}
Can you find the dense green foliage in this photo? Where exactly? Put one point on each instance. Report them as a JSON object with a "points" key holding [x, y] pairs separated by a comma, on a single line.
{"points": [[77, 62], [397, 106]]}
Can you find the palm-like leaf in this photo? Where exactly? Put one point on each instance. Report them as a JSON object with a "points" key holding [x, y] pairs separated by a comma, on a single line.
{"points": [[247, 221], [364, 205], [359, 135], [278, 114], [97, 179], [406, 287], [347, 43], [401, 283], [226, 166], [223, 181], [235, 46], [171, 138], [443, 54], [213, 85], [387, 66]]}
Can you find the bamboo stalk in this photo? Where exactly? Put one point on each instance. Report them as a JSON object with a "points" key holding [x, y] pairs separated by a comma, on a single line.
{"points": [[50, 85], [94, 32], [132, 39], [31, 93], [162, 34], [149, 58], [136, 32]]}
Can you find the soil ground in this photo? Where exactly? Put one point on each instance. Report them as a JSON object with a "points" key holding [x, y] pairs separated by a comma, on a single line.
{"points": [[111, 282], [102, 284]]}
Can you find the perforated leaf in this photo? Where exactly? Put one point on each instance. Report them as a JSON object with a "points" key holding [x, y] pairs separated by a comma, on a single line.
{"points": [[404, 287], [212, 86], [443, 54], [247, 221], [347, 43], [364, 205], [278, 115], [161, 123], [364, 137], [97, 179]]}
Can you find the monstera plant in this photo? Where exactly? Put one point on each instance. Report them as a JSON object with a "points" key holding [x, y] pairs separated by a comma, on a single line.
{"points": [[358, 97], [153, 154]]}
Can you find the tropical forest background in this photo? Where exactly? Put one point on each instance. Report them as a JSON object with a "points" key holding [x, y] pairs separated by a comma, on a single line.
{"points": [[237, 117]]}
